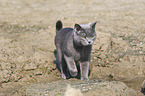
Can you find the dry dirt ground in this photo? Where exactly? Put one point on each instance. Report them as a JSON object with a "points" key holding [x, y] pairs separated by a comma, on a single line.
{"points": [[27, 30]]}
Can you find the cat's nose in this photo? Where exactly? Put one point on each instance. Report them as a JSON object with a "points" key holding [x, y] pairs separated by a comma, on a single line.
{"points": [[89, 42]]}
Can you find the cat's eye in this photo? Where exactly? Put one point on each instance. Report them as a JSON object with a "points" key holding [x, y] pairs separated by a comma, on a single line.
{"points": [[92, 36], [83, 37]]}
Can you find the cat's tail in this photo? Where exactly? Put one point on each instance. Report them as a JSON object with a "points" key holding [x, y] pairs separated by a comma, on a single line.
{"points": [[59, 25]]}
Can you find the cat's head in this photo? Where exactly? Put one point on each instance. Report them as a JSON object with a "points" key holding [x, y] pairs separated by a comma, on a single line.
{"points": [[85, 34]]}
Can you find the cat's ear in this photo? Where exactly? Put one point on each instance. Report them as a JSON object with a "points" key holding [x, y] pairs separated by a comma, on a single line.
{"points": [[77, 27], [93, 24]]}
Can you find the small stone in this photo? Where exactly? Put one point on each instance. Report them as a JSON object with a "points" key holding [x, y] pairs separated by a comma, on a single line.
{"points": [[111, 75]]}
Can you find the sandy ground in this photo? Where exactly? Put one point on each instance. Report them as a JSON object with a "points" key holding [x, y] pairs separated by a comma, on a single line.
{"points": [[27, 30]]}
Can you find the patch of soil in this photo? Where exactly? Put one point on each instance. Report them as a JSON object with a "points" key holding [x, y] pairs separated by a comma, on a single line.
{"points": [[91, 87]]}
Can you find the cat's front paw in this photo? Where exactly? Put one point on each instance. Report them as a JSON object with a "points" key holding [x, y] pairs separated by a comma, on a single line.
{"points": [[84, 78], [63, 76]]}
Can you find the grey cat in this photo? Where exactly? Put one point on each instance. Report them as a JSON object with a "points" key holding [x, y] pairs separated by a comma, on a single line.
{"points": [[73, 49]]}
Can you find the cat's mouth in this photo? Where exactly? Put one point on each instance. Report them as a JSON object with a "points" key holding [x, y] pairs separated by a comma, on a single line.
{"points": [[90, 43], [87, 43]]}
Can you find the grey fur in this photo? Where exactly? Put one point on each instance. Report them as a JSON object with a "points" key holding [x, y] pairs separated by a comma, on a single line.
{"points": [[73, 47]]}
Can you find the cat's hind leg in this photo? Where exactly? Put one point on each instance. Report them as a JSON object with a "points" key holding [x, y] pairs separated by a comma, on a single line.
{"points": [[62, 65], [65, 69]]}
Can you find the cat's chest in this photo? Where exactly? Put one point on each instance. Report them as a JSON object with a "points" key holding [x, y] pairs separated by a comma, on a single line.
{"points": [[83, 54], [80, 54]]}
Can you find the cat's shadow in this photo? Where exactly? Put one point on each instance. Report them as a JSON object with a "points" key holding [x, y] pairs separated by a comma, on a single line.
{"points": [[143, 90], [55, 61]]}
